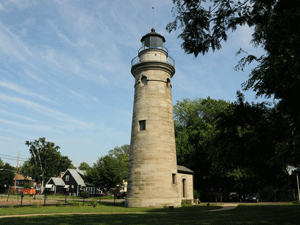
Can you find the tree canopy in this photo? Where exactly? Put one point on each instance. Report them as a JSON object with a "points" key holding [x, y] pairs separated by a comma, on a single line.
{"points": [[234, 146], [110, 170], [84, 166], [195, 126], [45, 160], [205, 24], [6, 174]]}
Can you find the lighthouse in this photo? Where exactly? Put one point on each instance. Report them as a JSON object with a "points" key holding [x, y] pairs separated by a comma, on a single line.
{"points": [[153, 174]]}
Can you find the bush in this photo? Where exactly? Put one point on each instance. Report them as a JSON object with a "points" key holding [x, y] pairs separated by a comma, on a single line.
{"points": [[185, 202], [196, 194], [27, 185], [93, 203], [85, 194], [12, 191], [36, 205], [59, 204]]}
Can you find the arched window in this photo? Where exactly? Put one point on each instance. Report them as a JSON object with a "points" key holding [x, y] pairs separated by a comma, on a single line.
{"points": [[144, 80], [168, 82]]}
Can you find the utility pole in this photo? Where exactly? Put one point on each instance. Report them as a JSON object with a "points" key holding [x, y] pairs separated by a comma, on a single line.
{"points": [[16, 177]]}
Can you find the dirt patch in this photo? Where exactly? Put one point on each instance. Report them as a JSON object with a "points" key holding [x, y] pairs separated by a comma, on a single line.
{"points": [[26, 201]]}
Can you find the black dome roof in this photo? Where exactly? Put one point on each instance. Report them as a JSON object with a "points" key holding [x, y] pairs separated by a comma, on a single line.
{"points": [[153, 33]]}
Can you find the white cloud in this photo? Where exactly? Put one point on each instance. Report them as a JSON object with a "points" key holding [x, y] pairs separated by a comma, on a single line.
{"points": [[95, 99], [47, 111], [17, 115], [22, 90], [76, 93], [26, 126], [34, 77]]}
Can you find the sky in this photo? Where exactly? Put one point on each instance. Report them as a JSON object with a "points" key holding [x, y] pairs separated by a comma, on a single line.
{"points": [[65, 72]]}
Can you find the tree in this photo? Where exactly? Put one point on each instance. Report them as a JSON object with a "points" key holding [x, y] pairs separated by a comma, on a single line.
{"points": [[195, 123], [6, 175], [28, 169], [45, 160], [277, 30], [110, 170], [84, 166], [278, 73], [233, 146], [72, 167], [249, 147]]}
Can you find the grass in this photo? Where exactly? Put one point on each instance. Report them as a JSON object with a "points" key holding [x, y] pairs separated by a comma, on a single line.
{"points": [[57, 197], [285, 214], [89, 208]]}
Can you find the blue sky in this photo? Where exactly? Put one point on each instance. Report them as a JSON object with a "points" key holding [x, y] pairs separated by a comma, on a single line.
{"points": [[65, 72]]}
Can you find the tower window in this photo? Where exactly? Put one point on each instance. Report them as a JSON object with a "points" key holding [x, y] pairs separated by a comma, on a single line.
{"points": [[142, 124], [144, 80], [168, 82]]}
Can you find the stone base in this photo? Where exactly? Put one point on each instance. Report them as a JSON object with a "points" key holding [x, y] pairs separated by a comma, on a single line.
{"points": [[152, 203]]}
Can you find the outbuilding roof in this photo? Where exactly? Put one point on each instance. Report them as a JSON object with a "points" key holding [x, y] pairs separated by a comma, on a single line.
{"points": [[183, 169], [57, 181]]}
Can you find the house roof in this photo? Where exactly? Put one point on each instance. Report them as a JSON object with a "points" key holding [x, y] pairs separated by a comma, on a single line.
{"points": [[183, 169], [57, 181], [76, 176], [21, 177], [81, 172]]}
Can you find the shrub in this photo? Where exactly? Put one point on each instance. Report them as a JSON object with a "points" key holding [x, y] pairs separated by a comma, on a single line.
{"points": [[59, 204], [186, 202], [36, 205], [196, 194], [85, 194], [27, 185], [93, 203], [76, 204]]}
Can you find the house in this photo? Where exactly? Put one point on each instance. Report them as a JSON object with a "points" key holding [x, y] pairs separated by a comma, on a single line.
{"points": [[21, 180], [71, 182], [55, 185]]}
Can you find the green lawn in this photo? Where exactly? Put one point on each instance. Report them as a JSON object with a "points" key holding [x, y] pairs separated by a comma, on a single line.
{"points": [[56, 197], [286, 214]]}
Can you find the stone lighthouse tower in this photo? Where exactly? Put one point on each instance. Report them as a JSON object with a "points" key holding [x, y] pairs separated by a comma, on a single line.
{"points": [[152, 176]]}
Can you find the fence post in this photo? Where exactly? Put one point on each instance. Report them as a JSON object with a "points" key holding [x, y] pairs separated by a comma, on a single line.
{"points": [[298, 187]]}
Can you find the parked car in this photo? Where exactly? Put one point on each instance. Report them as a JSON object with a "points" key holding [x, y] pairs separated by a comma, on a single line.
{"points": [[253, 197], [234, 197]]}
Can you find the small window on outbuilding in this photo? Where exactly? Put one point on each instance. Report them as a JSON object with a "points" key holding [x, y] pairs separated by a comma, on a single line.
{"points": [[142, 124], [183, 188], [67, 177]]}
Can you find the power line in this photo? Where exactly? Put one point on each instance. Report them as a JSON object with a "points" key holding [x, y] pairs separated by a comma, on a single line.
{"points": [[13, 156]]}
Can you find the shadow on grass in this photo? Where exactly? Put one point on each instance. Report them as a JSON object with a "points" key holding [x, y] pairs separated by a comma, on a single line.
{"points": [[264, 214], [181, 209], [117, 204]]}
